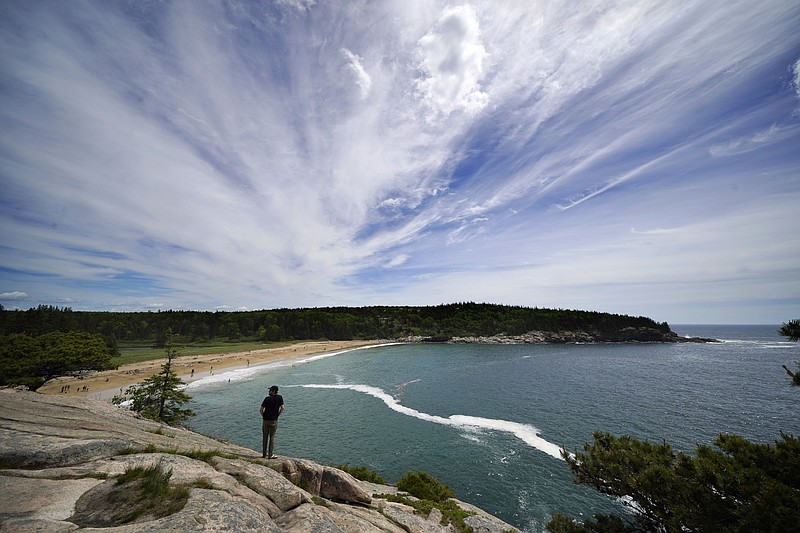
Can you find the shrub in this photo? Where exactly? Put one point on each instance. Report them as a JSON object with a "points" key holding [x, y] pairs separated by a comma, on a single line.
{"points": [[362, 473], [425, 487]]}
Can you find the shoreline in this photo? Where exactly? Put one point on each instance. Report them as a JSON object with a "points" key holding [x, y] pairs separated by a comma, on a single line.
{"points": [[105, 384]]}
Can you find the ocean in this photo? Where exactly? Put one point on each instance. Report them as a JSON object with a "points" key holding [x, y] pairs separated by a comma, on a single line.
{"points": [[489, 420]]}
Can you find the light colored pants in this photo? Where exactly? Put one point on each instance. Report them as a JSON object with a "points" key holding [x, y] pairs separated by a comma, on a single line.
{"points": [[268, 429]]}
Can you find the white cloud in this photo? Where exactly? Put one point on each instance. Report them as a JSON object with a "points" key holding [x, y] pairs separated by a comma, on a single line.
{"points": [[796, 82], [749, 143], [451, 62], [796, 70], [363, 80], [393, 203], [300, 5], [655, 231], [468, 230], [396, 261], [14, 295]]}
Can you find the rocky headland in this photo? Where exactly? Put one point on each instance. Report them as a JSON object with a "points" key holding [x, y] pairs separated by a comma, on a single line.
{"points": [[625, 335], [61, 458]]}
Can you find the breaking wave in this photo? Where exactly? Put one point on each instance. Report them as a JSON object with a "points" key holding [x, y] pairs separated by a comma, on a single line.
{"points": [[525, 432]]}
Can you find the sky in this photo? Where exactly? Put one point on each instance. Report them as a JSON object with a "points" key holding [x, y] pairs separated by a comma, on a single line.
{"points": [[634, 157]]}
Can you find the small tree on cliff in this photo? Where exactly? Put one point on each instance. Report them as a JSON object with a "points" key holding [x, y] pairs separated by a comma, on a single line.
{"points": [[160, 397], [791, 329], [736, 486]]}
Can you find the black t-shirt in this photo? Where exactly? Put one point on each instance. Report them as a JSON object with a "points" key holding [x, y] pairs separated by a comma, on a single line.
{"points": [[272, 407]]}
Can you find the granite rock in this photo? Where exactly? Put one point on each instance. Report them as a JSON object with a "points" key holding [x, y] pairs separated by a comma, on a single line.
{"points": [[60, 457]]}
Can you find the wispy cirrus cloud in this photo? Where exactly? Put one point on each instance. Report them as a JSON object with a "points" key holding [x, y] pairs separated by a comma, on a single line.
{"points": [[246, 155], [362, 79]]}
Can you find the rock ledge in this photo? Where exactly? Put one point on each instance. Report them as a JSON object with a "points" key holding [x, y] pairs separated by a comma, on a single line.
{"points": [[60, 454]]}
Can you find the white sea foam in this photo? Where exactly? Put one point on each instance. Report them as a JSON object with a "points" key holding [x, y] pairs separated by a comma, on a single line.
{"points": [[758, 343], [238, 374], [525, 432]]}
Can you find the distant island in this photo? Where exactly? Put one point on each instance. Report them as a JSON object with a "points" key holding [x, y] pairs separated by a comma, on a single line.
{"points": [[456, 322]]}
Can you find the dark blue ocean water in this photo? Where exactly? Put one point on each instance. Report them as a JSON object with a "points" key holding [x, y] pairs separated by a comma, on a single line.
{"points": [[488, 420]]}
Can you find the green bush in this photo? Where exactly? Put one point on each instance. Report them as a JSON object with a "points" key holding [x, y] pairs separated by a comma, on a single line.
{"points": [[425, 487], [736, 486], [362, 473]]}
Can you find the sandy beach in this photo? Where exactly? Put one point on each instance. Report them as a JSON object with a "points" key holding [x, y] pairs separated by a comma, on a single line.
{"points": [[105, 384]]}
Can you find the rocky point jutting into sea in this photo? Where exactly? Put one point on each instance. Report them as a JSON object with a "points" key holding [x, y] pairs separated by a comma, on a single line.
{"points": [[625, 335], [61, 457]]}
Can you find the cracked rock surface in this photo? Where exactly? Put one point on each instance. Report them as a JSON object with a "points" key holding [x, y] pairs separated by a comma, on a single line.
{"points": [[60, 455]]}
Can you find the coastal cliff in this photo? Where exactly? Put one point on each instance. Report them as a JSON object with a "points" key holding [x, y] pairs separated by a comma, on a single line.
{"points": [[62, 458]]}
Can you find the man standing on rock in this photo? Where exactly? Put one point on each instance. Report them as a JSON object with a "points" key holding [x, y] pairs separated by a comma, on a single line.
{"points": [[271, 409]]}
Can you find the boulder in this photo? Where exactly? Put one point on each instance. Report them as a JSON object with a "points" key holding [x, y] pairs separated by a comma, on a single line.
{"points": [[304, 473], [339, 485], [324, 481], [308, 519], [334, 518], [265, 481], [405, 517]]}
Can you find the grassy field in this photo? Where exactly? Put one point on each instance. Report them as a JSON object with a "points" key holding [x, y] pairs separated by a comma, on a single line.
{"points": [[144, 351]]}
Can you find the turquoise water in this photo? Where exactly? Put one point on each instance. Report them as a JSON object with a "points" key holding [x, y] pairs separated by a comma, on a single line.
{"points": [[488, 420]]}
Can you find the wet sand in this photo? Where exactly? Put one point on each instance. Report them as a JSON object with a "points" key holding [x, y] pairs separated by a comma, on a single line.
{"points": [[105, 384]]}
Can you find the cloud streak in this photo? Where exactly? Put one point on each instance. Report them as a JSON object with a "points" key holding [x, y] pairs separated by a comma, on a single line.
{"points": [[247, 155]]}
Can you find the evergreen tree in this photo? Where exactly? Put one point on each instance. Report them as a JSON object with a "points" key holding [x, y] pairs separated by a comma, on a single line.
{"points": [[737, 486], [160, 397], [32, 361], [791, 329]]}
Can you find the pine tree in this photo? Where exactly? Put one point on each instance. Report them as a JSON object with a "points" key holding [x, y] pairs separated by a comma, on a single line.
{"points": [[160, 397], [791, 329]]}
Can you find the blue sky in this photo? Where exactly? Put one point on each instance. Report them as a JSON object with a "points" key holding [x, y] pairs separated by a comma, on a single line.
{"points": [[635, 157]]}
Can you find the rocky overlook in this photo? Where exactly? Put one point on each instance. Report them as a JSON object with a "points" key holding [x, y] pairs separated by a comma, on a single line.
{"points": [[61, 458]]}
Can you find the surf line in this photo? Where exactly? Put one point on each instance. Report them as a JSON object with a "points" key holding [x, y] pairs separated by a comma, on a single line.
{"points": [[525, 432], [243, 374]]}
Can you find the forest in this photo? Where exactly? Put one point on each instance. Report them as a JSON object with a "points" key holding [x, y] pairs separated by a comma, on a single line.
{"points": [[331, 323], [48, 341]]}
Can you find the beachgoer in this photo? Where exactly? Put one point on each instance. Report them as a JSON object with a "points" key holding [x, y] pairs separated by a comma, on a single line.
{"points": [[271, 409]]}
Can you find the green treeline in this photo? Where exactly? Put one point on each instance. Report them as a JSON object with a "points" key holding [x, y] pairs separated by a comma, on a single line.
{"points": [[332, 323], [33, 360]]}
